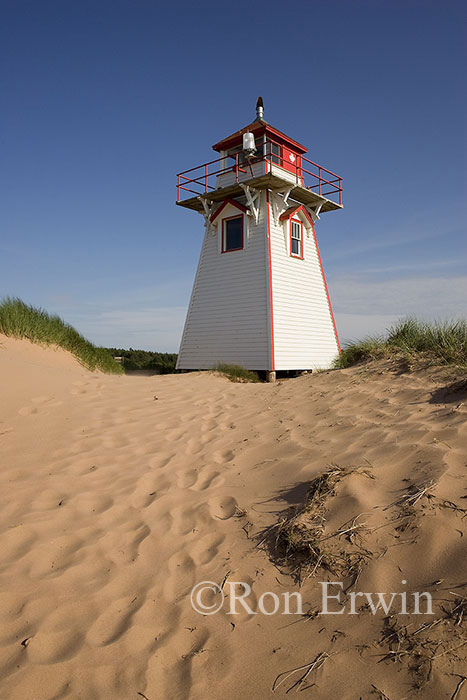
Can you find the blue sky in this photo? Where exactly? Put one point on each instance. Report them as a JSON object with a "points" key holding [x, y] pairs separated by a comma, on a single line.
{"points": [[103, 102]]}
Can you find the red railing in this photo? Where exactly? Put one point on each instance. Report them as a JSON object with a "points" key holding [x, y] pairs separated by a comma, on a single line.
{"points": [[203, 178]]}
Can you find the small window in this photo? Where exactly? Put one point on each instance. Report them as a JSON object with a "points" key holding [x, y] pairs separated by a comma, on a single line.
{"points": [[275, 153], [232, 234], [259, 147], [232, 153], [296, 239]]}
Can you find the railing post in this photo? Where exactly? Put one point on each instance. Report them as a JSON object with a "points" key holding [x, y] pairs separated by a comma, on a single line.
{"points": [[186, 178]]}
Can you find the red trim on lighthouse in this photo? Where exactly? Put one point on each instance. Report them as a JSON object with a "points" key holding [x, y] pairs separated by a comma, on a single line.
{"points": [[326, 288], [273, 363], [300, 255], [240, 247], [295, 210], [224, 204], [258, 127]]}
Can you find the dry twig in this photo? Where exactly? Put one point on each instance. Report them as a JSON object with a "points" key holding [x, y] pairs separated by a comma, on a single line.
{"points": [[306, 668]]}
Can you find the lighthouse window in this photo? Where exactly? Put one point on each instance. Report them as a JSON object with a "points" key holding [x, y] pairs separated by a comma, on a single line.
{"points": [[274, 151], [296, 240], [232, 233], [259, 147], [232, 153]]}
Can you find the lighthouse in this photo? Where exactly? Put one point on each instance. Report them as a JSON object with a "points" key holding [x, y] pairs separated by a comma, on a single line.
{"points": [[260, 298]]}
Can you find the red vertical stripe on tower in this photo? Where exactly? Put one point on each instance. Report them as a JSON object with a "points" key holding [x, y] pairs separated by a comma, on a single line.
{"points": [[273, 363], [326, 287]]}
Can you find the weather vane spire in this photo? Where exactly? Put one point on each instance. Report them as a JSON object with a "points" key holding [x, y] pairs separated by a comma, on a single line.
{"points": [[259, 108]]}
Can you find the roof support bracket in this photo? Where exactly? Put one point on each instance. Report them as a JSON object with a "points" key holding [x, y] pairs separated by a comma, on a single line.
{"points": [[280, 205], [252, 198], [314, 212], [207, 213]]}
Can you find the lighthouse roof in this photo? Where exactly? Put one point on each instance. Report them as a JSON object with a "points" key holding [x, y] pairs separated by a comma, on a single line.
{"points": [[293, 211], [259, 127]]}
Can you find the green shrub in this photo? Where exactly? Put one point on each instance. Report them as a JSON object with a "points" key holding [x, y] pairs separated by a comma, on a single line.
{"points": [[441, 342], [237, 374], [369, 348], [163, 362], [19, 320]]}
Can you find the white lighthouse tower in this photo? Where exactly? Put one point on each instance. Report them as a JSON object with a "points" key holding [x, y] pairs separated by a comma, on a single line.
{"points": [[260, 298]]}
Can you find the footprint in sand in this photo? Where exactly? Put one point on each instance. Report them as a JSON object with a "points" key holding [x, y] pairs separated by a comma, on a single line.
{"points": [[181, 576], [163, 524], [199, 480], [158, 462], [54, 557], [27, 410], [42, 399], [223, 508], [206, 548], [46, 685], [113, 622], [186, 480], [52, 647], [39, 402], [89, 503], [128, 543], [221, 457], [184, 519], [79, 388], [115, 441], [175, 436], [16, 542], [149, 490], [208, 480]]}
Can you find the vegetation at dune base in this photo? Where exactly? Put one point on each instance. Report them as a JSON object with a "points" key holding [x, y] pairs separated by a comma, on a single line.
{"points": [[19, 320], [163, 362], [236, 373], [412, 340]]}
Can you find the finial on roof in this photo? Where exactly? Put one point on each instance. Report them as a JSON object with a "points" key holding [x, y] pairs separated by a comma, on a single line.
{"points": [[259, 108]]}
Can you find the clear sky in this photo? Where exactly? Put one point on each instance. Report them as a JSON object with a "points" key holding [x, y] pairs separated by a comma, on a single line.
{"points": [[104, 101]]}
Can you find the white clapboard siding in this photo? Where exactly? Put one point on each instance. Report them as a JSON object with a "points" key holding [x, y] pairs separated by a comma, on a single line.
{"points": [[227, 320], [285, 174], [304, 336]]}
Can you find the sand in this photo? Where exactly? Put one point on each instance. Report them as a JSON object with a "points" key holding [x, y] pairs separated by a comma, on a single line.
{"points": [[120, 493]]}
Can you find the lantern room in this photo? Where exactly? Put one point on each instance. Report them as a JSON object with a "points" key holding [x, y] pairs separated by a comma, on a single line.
{"points": [[268, 141], [263, 157]]}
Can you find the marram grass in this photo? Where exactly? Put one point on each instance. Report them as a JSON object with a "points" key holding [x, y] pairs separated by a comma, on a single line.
{"points": [[19, 320], [438, 342], [236, 373]]}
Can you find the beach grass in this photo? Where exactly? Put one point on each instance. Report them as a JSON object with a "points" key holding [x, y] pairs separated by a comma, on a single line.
{"points": [[236, 373], [19, 320], [437, 342]]}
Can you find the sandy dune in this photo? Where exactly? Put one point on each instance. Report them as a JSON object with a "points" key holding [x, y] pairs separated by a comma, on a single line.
{"points": [[119, 494]]}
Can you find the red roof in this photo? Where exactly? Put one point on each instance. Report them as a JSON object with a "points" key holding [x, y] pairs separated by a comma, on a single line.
{"points": [[224, 204], [294, 210], [259, 127]]}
